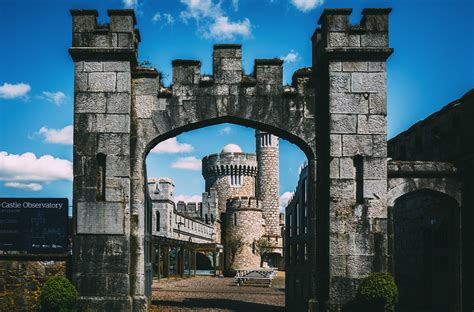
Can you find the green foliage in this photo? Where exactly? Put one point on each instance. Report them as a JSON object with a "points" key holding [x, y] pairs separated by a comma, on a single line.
{"points": [[378, 290], [264, 246], [145, 63], [58, 295]]}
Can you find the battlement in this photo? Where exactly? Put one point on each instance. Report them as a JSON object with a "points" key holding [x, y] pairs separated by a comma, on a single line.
{"points": [[119, 35], [227, 69], [243, 203], [161, 189], [336, 35], [229, 163]]}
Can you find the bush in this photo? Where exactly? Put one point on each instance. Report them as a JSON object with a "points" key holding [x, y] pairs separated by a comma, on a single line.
{"points": [[58, 295], [378, 291]]}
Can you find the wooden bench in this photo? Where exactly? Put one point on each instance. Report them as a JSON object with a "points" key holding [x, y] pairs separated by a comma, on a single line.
{"points": [[258, 277]]}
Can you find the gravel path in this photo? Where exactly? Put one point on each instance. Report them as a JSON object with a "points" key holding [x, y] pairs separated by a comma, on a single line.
{"points": [[216, 294]]}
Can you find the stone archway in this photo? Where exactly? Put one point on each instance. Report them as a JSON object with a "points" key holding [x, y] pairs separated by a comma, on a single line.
{"points": [[427, 251], [336, 108]]}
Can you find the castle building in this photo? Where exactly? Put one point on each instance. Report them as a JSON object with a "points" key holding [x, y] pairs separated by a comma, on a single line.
{"points": [[240, 204]]}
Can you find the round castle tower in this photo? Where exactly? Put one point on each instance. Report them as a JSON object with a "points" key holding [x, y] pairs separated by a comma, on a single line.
{"points": [[268, 182], [231, 173], [243, 221]]}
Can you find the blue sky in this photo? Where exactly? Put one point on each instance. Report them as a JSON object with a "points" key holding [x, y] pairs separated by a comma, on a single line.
{"points": [[432, 65]]}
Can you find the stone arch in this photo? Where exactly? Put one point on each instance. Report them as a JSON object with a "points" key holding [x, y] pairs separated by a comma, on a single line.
{"points": [[403, 186], [426, 249]]}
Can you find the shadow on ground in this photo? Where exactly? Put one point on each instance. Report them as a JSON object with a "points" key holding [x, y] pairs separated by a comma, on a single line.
{"points": [[227, 304]]}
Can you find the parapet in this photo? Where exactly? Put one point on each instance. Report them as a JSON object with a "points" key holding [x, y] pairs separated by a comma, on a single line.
{"points": [[231, 163], [120, 35], [243, 203], [336, 35]]}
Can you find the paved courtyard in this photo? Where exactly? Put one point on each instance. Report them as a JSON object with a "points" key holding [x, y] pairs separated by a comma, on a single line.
{"points": [[216, 294]]}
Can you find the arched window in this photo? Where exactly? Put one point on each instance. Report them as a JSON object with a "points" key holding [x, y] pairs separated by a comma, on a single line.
{"points": [[157, 221], [100, 177]]}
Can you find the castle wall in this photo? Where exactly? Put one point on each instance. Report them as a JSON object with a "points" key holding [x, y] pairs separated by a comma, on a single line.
{"points": [[244, 220]]}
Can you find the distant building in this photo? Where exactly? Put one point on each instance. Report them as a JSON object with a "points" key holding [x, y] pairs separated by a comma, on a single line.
{"points": [[240, 202]]}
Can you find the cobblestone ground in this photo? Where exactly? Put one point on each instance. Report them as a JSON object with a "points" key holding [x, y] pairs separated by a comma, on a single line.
{"points": [[217, 294]]}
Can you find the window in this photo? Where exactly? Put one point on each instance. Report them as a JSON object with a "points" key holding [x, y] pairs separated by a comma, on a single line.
{"points": [[359, 178], [290, 225], [235, 219], [157, 221], [235, 180], [206, 218], [253, 248], [100, 177]]}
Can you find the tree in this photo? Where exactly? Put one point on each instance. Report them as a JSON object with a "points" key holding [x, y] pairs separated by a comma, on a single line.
{"points": [[264, 246], [235, 245]]}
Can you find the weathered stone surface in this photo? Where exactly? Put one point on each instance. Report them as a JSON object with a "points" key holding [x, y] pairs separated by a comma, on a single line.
{"points": [[88, 102], [103, 82], [368, 82], [100, 218], [340, 123], [356, 145], [371, 124], [118, 103], [339, 82], [93, 66], [348, 103]]}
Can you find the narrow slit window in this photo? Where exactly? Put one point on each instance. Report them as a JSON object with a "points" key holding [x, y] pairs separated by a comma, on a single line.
{"points": [[100, 178], [158, 221], [359, 178], [235, 219]]}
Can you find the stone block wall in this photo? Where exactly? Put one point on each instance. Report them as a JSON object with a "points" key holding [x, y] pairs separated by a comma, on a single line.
{"points": [[21, 282], [103, 58], [349, 63]]}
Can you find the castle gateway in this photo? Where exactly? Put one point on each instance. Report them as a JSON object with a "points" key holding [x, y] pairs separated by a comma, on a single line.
{"points": [[334, 111]]}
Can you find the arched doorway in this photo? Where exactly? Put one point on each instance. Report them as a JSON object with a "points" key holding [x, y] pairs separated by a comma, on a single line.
{"points": [[426, 251]]}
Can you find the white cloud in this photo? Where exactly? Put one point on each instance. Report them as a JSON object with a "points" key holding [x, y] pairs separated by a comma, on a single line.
{"points": [[291, 57], [35, 187], [306, 5], [212, 22], [222, 28], [187, 163], [225, 130], [188, 198], [12, 91], [57, 136], [235, 4], [130, 4], [27, 167], [156, 18], [54, 97], [168, 18], [284, 199], [172, 146], [200, 9]]}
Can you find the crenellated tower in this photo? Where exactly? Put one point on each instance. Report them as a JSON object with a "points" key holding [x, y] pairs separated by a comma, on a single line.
{"points": [[244, 221], [268, 182]]}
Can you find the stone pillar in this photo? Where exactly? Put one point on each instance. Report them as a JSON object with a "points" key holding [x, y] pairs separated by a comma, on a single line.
{"points": [[349, 63], [227, 63], [268, 182], [103, 57]]}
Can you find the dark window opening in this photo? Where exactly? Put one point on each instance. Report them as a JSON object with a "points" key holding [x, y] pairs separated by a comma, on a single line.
{"points": [[158, 221], [359, 178], [100, 178]]}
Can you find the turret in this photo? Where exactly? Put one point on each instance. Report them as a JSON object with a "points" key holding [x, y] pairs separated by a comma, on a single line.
{"points": [[243, 221], [268, 181]]}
